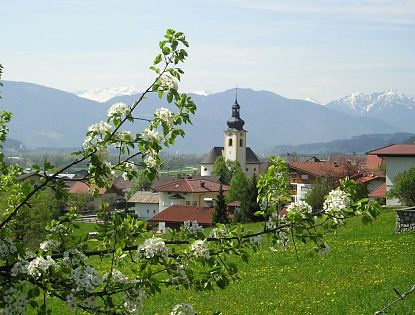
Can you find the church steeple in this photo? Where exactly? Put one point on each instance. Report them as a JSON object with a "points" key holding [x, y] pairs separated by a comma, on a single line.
{"points": [[236, 122]]}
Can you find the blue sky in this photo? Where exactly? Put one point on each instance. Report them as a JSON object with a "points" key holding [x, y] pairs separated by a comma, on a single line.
{"points": [[319, 49]]}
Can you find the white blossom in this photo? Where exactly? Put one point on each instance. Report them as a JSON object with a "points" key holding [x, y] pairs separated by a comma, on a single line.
{"points": [[118, 109], [282, 239], [164, 114], [192, 227], [336, 203], [132, 305], [150, 135], [128, 168], [49, 245], [182, 309], [167, 83], [101, 127], [300, 207], [116, 278], [181, 275], [86, 278], [71, 301], [255, 240], [15, 301], [151, 162], [152, 247], [7, 246], [39, 265], [218, 232], [200, 249], [324, 249]]}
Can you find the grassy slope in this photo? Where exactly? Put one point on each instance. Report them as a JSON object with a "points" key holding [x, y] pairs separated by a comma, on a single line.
{"points": [[357, 277]]}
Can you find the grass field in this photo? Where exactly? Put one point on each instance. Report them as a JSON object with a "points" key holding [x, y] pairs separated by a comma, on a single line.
{"points": [[365, 263]]}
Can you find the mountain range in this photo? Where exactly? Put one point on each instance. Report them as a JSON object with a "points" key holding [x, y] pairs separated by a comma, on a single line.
{"points": [[47, 117]]}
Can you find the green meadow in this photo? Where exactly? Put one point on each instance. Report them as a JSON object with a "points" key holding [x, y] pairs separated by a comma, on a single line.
{"points": [[358, 276]]}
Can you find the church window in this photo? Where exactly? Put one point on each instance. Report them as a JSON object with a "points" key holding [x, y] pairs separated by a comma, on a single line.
{"points": [[247, 169], [230, 142], [241, 143], [254, 169]]}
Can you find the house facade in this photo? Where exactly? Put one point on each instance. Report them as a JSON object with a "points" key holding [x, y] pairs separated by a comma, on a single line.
{"points": [[188, 192], [234, 149], [399, 158], [145, 204], [303, 175]]}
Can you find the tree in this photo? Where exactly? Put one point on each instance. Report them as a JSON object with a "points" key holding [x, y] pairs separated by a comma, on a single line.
{"points": [[221, 214], [128, 263], [404, 188], [238, 186], [315, 197], [250, 205], [221, 169], [140, 182]]}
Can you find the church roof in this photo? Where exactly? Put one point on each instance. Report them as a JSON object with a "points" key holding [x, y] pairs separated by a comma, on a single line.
{"points": [[216, 152], [236, 122], [213, 154]]}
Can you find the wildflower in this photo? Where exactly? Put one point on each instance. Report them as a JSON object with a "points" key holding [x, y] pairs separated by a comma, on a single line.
{"points": [[192, 227], [152, 247], [200, 249], [118, 109]]}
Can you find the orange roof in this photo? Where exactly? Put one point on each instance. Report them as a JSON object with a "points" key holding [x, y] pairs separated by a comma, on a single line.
{"points": [[370, 177], [179, 214], [394, 150], [373, 161], [320, 168], [191, 185], [79, 187], [379, 192]]}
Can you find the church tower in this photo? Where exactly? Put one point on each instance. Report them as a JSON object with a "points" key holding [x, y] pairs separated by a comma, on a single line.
{"points": [[235, 138]]}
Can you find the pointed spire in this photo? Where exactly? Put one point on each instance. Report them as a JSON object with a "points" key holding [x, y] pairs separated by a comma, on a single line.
{"points": [[236, 94], [235, 122]]}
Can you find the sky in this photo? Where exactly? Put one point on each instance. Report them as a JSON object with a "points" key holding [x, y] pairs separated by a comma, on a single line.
{"points": [[322, 50]]}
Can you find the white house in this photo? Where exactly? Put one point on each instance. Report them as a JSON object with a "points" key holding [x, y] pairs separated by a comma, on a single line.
{"points": [[188, 192], [235, 147], [399, 158], [146, 204]]}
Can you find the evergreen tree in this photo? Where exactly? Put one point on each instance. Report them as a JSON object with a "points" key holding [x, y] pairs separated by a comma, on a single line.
{"points": [[220, 215], [221, 169], [252, 205]]}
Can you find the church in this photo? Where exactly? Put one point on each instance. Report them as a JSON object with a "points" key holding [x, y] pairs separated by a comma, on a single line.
{"points": [[235, 147]]}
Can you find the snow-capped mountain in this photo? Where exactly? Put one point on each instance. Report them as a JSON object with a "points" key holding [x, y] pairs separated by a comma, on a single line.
{"points": [[389, 106], [312, 100], [104, 94], [364, 103]]}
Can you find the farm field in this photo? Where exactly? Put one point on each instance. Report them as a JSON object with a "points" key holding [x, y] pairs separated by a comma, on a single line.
{"points": [[364, 265]]}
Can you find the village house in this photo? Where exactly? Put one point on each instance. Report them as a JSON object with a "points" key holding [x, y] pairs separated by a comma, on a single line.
{"points": [[183, 196], [235, 147], [145, 204], [303, 175], [399, 158]]}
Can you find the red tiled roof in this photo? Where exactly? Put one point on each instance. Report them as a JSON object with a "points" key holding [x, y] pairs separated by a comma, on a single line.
{"points": [[191, 185], [395, 150], [179, 214], [378, 192], [82, 188], [373, 161], [370, 177], [320, 168]]}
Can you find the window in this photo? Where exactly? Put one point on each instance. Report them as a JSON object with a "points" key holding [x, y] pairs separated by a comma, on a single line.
{"points": [[148, 211], [195, 203], [241, 143], [205, 169], [230, 142], [247, 169], [154, 211], [254, 169], [187, 203]]}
